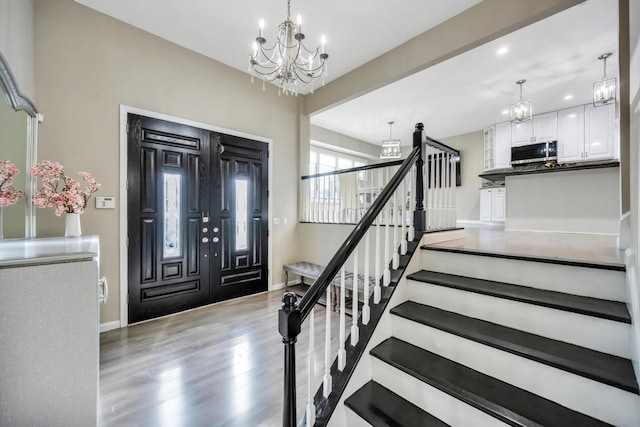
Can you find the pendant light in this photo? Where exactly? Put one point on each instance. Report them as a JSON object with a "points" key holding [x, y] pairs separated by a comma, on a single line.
{"points": [[522, 110], [390, 147], [604, 91]]}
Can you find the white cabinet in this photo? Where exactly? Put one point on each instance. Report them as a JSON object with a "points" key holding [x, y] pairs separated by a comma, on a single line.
{"points": [[543, 128], [571, 134], [599, 132], [497, 146], [586, 133], [485, 204], [489, 146], [492, 204], [498, 203], [502, 151]]}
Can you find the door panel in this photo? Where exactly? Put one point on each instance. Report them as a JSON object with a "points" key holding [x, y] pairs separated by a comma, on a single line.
{"points": [[240, 253], [168, 268]]}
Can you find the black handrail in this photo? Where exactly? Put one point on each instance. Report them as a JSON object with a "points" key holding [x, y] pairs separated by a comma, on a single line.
{"points": [[356, 169], [319, 286], [440, 146]]}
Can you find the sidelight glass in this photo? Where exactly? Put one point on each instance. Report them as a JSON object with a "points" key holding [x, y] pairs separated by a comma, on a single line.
{"points": [[172, 217], [242, 214]]}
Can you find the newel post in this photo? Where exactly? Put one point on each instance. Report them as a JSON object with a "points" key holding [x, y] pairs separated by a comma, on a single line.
{"points": [[419, 218], [289, 325]]}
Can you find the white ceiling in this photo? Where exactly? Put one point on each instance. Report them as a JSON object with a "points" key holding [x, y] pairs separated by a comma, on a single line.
{"points": [[557, 56], [357, 31]]}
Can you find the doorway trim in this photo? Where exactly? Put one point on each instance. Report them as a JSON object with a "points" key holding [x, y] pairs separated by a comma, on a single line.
{"points": [[124, 270]]}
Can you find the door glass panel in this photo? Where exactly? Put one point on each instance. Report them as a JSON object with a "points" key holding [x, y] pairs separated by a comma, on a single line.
{"points": [[242, 214], [172, 197]]}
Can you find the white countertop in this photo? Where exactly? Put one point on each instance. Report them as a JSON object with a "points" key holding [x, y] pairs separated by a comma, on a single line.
{"points": [[25, 252]]}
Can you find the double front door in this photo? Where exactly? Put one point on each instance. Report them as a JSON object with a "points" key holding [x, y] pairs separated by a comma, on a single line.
{"points": [[197, 217]]}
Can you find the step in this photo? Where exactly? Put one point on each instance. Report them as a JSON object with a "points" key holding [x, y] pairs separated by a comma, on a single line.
{"points": [[605, 309], [605, 368], [576, 279], [496, 398], [607, 336], [379, 406]]}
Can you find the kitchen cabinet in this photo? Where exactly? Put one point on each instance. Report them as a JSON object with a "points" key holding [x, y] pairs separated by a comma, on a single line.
{"points": [[497, 146], [492, 205], [543, 128], [571, 134], [586, 133], [599, 132]]}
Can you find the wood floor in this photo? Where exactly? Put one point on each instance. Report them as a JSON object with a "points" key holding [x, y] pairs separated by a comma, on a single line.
{"points": [[220, 365]]}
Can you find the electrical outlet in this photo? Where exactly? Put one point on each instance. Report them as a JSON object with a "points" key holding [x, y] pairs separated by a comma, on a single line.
{"points": [[276, 221]]}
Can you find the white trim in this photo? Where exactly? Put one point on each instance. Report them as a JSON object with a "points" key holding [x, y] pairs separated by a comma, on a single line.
{"points": [[624, 234], [560, 232], [109, 326], [124, 111]]}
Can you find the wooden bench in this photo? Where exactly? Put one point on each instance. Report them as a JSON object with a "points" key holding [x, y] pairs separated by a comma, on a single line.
{"points": [[312, 271]]}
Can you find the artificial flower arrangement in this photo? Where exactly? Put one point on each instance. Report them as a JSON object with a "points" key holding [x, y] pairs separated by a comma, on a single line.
{"points": [[61, 192], [8, 195]]}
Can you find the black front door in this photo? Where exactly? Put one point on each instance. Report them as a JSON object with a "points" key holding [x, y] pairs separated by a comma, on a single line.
{"points": [[197, 217]]}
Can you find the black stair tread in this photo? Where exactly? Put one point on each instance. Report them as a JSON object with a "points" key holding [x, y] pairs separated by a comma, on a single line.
{"points": [[605, 368], [379, 406], [508, 403], [604, 309], [533, 258]]}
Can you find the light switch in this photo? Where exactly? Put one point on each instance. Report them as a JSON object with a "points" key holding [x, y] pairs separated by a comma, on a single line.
{"points": [[105, 202], [276, 221]]}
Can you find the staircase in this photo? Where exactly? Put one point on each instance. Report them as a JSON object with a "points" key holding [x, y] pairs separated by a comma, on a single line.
{"points": [[479, 339]]}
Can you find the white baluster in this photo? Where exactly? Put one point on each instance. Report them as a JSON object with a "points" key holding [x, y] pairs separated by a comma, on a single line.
{"points": [[403, 216], [326, 380], [311, 408], [316, 199], [431, 190], [412, 184], [336, 199], [378, 277], [395, 262], [325, 200], [342, 353], [356, 198], [455, 191], [354, 300], [386, 272], [366, 311], [449, 190]]}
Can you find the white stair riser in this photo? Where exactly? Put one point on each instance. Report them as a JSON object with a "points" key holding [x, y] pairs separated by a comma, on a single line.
{"points": [[593, 282], [354, 420], [442, 236], [603, 335], [439, 404], [581, 394]]}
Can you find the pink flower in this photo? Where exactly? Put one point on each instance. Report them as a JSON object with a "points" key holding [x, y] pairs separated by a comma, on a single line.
{"points": [[8, 195], [70, 198]]}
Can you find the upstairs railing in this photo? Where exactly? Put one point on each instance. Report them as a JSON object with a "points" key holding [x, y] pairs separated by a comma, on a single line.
{"points": [[393, 213]]}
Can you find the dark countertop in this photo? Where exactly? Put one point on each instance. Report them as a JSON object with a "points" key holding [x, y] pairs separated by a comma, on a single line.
{"points": [[499, 174]]}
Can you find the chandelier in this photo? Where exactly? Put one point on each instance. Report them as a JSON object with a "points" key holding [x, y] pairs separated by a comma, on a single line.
{"points": [[390, 147], [604, 91], [288, 63], [522, 110]]}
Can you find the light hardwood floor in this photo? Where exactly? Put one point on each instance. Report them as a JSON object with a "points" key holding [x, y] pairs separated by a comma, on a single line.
{"points": [[220, 365]]}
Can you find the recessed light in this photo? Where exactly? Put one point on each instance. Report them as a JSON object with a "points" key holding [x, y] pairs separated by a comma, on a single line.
{"points": [[568, 97], [505, 112], [503, 50]]}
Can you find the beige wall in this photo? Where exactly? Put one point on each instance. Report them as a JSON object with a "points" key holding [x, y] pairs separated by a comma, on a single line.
{"points": [[345, 142], [16, 41], [471, 162], [87, 64]]}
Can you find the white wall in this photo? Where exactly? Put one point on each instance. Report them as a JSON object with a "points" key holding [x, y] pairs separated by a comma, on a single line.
{"points": [[16, 41], [343, 142], [582, 201]]}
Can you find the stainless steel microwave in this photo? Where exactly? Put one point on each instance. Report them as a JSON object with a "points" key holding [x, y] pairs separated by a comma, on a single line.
{"points": [[532, 153]]}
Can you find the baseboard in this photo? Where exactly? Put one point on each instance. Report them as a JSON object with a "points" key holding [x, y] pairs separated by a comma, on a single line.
{"points": [[109, 326], [281, 285], [477, 224], [560, 232]]}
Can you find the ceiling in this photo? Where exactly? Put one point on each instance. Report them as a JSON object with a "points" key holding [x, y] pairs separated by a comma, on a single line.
{"points": [[557, 56]]}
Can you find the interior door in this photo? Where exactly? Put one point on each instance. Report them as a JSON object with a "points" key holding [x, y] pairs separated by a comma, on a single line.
{"points": [[168, 191], [240, 205]]}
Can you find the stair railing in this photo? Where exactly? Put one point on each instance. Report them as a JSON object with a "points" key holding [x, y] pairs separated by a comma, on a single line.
{"points": [[389, 207]]}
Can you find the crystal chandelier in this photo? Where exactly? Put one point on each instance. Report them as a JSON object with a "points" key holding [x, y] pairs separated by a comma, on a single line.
{"points": [[604, 91], [390, 147], [288, 63], [522, 110]]}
